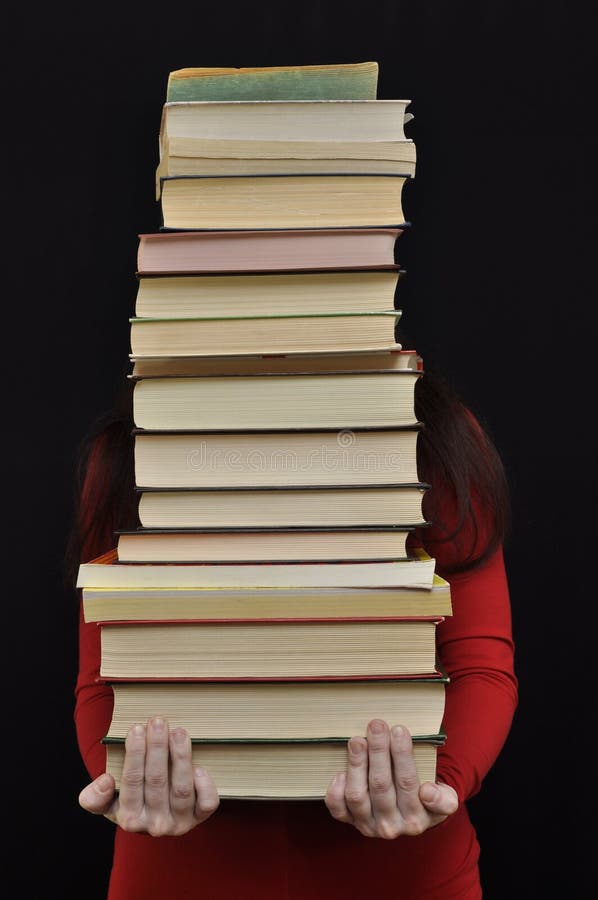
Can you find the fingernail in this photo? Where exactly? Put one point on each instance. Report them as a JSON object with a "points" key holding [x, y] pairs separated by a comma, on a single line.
{"points": [[158, 725], [200, 772], [138, 730], [377, 726], [398, 731], [356, 747], [179, 736]]}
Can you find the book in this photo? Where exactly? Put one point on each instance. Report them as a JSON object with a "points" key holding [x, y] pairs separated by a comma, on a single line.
{"points": [[260, 544], [259, 294], [326, 200], [197, 156], [275, 458], [221, 604], [341, 81], [261, 402], [107, 571], [278, 363], [269, 334], [338, 649], [267, 249], [284, 120], [324, 507], [291, 770], [280, 710]]}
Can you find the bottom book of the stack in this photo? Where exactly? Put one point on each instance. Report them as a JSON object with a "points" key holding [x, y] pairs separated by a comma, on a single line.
{"points": [[284, 739], [282, 770]]}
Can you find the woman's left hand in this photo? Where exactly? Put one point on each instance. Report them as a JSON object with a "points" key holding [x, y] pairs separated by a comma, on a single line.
{"points": [[380, 794]]}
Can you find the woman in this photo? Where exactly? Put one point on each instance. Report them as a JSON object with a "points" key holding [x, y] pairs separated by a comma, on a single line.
{"points": [[378, 828]]}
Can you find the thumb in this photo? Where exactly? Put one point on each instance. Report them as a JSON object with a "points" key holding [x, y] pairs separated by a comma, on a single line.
{"points": [[439, 799], [98, 796]]}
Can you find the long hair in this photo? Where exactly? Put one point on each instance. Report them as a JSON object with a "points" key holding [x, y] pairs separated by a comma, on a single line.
{"points": [[455, 456]]}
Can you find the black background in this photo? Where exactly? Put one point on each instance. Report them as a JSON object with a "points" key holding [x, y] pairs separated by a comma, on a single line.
{"points": [[499, 298]]}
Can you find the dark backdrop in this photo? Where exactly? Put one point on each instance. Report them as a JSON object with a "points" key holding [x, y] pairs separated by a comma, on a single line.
{"points": [[498, 297]]}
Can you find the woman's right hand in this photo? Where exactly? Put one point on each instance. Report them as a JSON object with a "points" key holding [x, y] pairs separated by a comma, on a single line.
{"points": [[154, 798]]}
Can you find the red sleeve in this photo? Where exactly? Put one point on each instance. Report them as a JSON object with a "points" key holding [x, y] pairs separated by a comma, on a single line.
{"points": [[476, 648], [93, 701]]}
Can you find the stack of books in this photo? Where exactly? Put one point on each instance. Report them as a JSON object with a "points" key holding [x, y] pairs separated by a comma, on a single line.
{"points": [[271, 601]]}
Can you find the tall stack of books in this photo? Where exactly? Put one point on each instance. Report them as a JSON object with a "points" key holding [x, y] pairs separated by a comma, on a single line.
{"points": [[271, 600]]}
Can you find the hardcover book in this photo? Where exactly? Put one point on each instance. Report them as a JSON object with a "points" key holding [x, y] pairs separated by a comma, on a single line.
{"points": [[280, 710], [292, 650], [262, 402], [267, 249], [326, 506], [279, 363], [291, 770], [275, 458], [292, 332], [223, 604], [281, 201], [285, 120], [261, 545], [265, 294], [107, 571]]}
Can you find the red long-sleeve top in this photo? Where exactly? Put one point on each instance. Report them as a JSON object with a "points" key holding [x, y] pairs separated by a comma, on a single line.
{"points": [[294, 850]]}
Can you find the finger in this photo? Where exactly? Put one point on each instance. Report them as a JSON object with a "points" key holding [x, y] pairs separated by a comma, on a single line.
{"points": [[380, 776], [182, 788], [335, 798], [406, 781], [206, 793], [131, 793], [157, 800], [99, 796], [439, 799], [357, 795]]}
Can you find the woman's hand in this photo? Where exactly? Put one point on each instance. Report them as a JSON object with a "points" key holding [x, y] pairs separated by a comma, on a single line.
{"points": [[380, 793], [154, 798]]}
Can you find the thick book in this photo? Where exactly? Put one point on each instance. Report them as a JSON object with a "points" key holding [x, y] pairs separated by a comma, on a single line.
{"points": [[341, 81], [261, 545], [223, 604], [278, 363], [107, 571], [262, 402], [292, 332], [275, 458], [316, 506], [271, 651], [326, 200], [284, 710], [264, 249], [265, 294], [285, 120], [270, 770]]}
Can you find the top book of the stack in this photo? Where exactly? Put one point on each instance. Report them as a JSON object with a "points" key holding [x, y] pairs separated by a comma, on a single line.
{"points": [[338, 81]]}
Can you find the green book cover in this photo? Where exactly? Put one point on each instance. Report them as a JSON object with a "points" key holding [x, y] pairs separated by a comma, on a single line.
{"points": [[346, 81]]}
